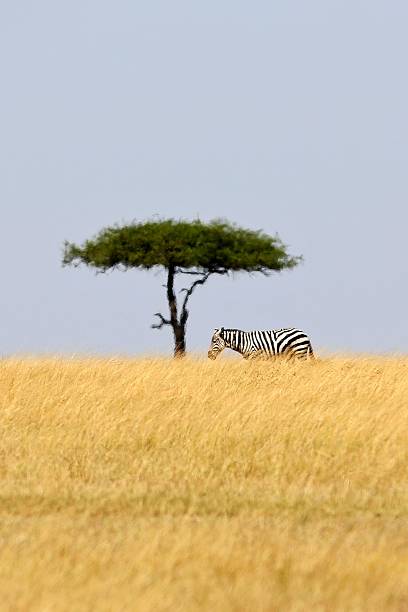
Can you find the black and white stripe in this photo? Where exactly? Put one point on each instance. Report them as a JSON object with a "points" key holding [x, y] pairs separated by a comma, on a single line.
{"points": [[289, 342]]}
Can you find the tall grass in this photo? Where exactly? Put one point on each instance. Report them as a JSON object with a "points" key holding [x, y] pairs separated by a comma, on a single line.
{"points": [[160, 485]]}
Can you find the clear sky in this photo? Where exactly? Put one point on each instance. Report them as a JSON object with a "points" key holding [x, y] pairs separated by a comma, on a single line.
{"points": [[286, 116]]}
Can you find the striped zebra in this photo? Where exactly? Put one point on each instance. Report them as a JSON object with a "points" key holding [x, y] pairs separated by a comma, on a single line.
{"points": [[289, 342]]}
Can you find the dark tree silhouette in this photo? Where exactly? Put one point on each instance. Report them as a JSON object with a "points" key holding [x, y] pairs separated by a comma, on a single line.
{"points": [[181, 247]]}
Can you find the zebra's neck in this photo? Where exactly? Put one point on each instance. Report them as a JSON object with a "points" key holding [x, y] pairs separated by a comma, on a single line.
{"points": [[236, 340]]}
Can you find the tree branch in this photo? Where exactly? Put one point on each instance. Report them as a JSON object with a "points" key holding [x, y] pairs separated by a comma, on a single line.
{"points": [[192, 272], [219, 271], [197, 273], [163, 321], [184, 311]]}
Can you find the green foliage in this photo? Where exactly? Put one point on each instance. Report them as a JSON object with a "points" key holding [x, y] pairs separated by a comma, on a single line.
{"points": [[217, 246]]}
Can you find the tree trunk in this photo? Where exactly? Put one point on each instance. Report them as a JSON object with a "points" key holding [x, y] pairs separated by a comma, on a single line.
{"points": [[179, 341], [179, 329]]}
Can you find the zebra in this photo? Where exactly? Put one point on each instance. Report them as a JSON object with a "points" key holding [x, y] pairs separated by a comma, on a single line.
{"points": [[288, 342]]}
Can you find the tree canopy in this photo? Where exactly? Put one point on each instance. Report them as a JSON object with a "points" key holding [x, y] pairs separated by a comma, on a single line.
{"points": [[218, 246], [182, 247]]}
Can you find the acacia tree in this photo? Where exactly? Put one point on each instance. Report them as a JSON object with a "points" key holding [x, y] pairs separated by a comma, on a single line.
{"points": [[181, 247]]}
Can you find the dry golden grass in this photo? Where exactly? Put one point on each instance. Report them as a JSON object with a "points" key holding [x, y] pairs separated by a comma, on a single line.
{"points": [[153, 485]]}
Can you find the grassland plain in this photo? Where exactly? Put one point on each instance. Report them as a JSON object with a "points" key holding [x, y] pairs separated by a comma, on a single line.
{"points": [[158, 485]]}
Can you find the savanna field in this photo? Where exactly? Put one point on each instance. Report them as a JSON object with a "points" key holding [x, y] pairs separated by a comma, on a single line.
{"points": [[157, 485]]}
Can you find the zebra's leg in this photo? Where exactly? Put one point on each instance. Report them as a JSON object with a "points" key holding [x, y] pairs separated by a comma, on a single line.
{"points": [[288, 354], [306, 354]]}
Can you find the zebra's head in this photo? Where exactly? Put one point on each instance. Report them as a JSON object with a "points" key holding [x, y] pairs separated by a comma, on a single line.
{"points": [[217, 345]]}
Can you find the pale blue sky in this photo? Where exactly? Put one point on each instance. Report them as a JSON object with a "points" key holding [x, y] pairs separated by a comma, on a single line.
{"points": [[286, 116]]}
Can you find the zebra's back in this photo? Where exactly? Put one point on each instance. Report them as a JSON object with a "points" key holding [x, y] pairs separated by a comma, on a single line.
{"points": [[290, 342]]}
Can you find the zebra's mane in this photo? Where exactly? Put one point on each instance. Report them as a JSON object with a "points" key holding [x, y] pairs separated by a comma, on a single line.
{"points": [[251, 331], [229, 330]]}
